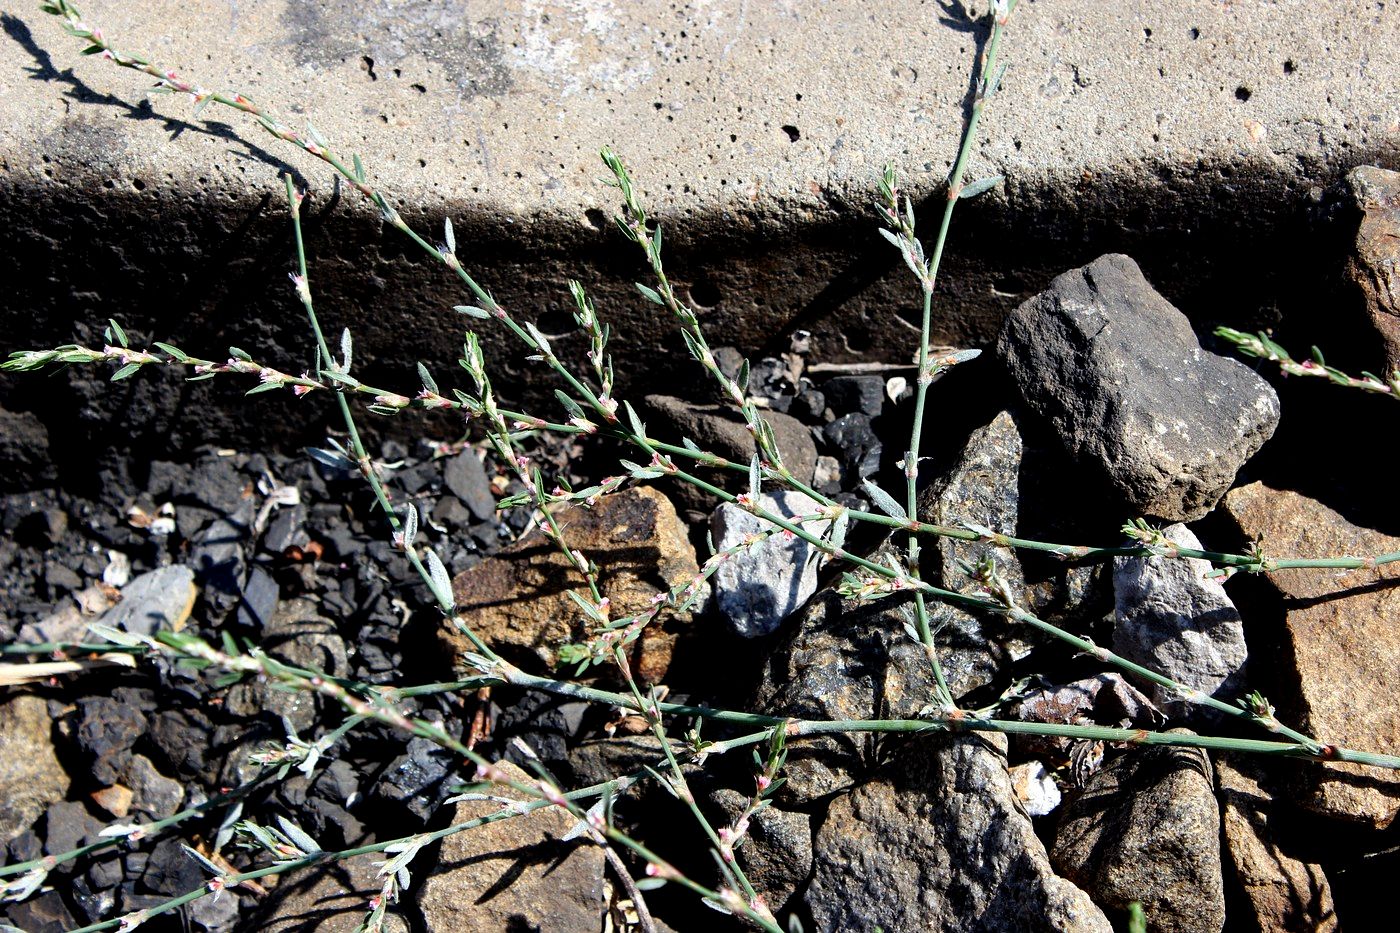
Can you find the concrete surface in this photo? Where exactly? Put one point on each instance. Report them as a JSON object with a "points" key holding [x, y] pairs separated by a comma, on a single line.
{"points": [[1188, 134]]}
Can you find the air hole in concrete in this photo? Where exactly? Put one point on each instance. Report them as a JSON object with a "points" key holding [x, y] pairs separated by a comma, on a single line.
{"points": [[419, 88], [1243, 93], [367, 66], [1146, 33], [1289, 67], [596, 218], [1194, 33], [793, 133], [704, 293], [138, 184]]}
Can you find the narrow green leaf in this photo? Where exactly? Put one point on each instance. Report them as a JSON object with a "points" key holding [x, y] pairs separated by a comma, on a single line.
{"points": [[125, 371], [114, 332], [172, 351], [650, 294], [980, 186], [263, 387], [428, 382], [472, 311], [569, 404], [884, 501]]}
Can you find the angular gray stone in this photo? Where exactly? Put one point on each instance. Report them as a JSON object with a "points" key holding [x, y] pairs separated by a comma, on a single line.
{"points": [[760, 586], [152, 792], [938, 841], [1120, 377], [983, 488], [160, 599], [31, 777], [1171, 618], [465, 477], [1147, 828], [513, 874]]}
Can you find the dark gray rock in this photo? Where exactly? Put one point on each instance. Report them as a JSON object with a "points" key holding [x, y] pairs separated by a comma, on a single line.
{"points": [[983, 488], [1147, 828], [465, 477], [938, 841], [859, 445], [67, 825], [286, 529], [219, 562], [45, 913], [1171, 618], [1119, 375], [152, 792], [417, 779], [720, 430], [260, 594], [760, 586], [776, 853], [849, 394], [851, 660], [105, 731], [296, 634]]}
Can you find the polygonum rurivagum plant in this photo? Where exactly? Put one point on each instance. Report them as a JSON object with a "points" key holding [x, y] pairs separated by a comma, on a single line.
{"points": [[589, 405]]}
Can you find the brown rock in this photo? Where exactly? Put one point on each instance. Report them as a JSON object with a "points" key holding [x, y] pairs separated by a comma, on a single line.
{"points": [[1340, 645], [1147, 829], [30, 776], [518, 601], [1374, 266], [329, 898], [514, 874], [1285, 891]]}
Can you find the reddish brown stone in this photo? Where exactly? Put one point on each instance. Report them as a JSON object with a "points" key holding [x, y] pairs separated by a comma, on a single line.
{"points": [[1341, 642], [1284, 891], [518, 601], [1374, 266]]}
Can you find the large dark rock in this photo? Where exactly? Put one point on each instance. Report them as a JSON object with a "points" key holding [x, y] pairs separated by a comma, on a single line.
{"points": [[938, 841], [1147, 829], [1119, 375]]}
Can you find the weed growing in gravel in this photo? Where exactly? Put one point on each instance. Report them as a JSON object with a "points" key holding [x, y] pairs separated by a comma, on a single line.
{"points": [[590, 408]]}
